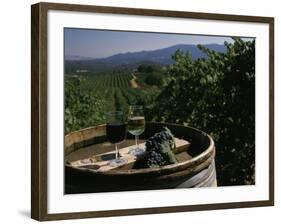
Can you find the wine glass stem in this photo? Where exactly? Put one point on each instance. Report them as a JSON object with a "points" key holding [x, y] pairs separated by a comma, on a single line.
{"points": [[116, 152], [136, 140]]}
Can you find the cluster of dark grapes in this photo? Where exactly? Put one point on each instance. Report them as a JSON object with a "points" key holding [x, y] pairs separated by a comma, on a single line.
{"points": [[155, 159], [154, 148]]}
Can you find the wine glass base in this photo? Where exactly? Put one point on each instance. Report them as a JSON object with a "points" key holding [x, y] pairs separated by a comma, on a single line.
{"points": [[118, 162], [137, 151]]}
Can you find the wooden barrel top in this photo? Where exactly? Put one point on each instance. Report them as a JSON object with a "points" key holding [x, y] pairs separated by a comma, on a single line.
{"points": [[86, 142]]}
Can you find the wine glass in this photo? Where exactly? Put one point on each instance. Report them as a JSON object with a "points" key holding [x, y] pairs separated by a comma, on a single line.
{"points": [[116, 133], [136, 126]]}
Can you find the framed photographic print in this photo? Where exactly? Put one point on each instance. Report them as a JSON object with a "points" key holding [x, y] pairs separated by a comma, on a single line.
{"points": [[140, 111]]}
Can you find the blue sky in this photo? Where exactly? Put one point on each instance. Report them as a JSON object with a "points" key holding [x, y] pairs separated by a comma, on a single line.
{"points": [[103, 43]]}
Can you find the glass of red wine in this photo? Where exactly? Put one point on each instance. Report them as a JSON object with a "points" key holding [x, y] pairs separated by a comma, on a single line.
{"points": [[116, 129]]}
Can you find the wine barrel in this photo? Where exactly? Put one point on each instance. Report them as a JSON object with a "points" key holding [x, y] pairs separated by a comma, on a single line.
{"points": [[196, 166]]}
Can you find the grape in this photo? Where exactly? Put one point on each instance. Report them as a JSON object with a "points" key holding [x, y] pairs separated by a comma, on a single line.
{"points": [[159, 149]]}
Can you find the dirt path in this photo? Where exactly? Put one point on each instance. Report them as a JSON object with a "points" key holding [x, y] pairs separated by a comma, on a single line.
{"points": [[133, 82]]}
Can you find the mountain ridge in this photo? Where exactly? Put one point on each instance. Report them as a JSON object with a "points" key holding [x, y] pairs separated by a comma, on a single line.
{"points": [[159, 56]]}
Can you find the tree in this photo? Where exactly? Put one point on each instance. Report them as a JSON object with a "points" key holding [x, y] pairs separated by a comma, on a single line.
{"points": [[82, 108], [149, 68], [217, 95], [154, 79]]}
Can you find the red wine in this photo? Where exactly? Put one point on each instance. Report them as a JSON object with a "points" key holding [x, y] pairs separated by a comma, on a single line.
{"points": [[116, 132]]}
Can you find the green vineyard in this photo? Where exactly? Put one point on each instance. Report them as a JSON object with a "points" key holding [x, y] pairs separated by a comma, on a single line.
{"points": [[89, 97], [102, 81]]}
